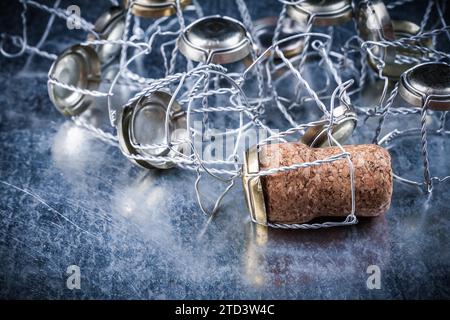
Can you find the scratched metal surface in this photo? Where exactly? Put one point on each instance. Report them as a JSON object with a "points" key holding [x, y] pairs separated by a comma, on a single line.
{"points": [[67, 199]]}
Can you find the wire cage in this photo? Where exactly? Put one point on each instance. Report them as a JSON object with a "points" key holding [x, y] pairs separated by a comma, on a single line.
{"points": [[241, 83]]}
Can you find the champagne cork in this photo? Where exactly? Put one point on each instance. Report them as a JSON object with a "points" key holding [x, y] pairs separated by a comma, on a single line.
{"points": [[303, 194]]}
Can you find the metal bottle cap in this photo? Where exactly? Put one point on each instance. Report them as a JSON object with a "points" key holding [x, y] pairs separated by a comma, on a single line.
{"points": [[155, 8], [322, 12], [252, 186], [143, 123], [392, 68], [77, 66], [264, 31], [215, 39], [344, 123], [374, 24], [427, 80], [109, 26]]}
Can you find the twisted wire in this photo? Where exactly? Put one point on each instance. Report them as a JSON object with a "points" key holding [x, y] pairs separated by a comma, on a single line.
{"points": [[194, 86]]}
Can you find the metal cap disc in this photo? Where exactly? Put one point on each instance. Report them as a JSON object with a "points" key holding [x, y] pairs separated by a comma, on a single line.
{"points": [[215, 39], [110, 26], [374, 24], [155, 8], [394, 69], [143, 123], [252, 186], [322, 12], [264, 31], [427, 80], [343, 126], [77, 66]]}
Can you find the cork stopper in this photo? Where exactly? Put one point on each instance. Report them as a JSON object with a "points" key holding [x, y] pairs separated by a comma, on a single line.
{"points": [[300, 195]]}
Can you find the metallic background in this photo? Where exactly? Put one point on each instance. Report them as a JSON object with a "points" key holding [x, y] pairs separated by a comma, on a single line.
{"points": [[67, 198]]}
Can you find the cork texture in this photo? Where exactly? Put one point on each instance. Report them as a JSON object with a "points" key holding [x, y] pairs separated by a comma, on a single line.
{"points": [[300, 195]]}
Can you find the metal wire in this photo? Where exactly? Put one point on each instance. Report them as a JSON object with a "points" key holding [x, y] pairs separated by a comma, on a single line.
{"points": [[251, 96]]}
